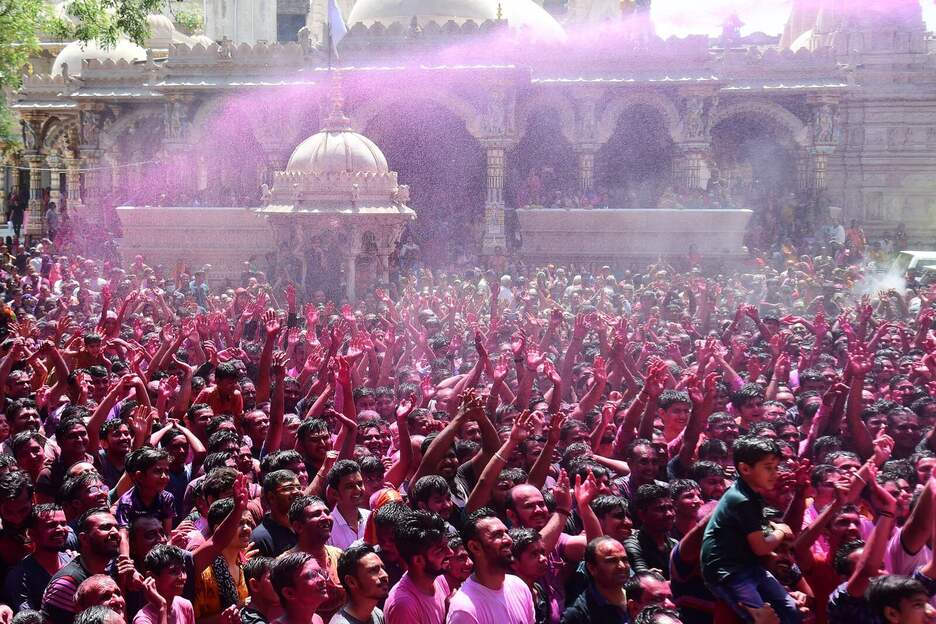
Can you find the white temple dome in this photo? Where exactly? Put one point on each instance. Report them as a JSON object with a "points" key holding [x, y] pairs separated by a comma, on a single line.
{"points": [[76, 52], [522, 15], [341, 151]]}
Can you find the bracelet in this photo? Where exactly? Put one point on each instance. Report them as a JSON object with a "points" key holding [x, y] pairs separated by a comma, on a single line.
{"points": [[564, 512], [885, 514], [499, 456], [860, 478]]}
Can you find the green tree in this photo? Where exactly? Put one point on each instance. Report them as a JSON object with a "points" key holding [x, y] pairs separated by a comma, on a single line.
{"points": [[24, 22]]}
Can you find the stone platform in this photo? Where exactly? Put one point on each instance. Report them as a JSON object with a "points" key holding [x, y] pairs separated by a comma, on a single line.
{"points": [[223, 237], [583, 235]]}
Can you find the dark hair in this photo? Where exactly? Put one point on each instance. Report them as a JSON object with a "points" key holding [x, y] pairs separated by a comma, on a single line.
{"points": [[13, 484], [277, 478], [391, 514], [818, 473], [679, 487], [256, 567], [370, 465], [279, 460], [469, 530], [608, 503], [213, 461], [219, 510], [219, 439], [144, 458], [65, 425], [633, 588], [340, 470], [653, 613], [196, 407], [22, 438], [111, 425], [648, 493], [889, 590], [161, 556], [671, 397], [297, 507], [309, 426], [751, 449], [349, 560], [840, 562], [426, 487], [70, 489], [226, 370], [284, 571], [745, 393], [43, 508], [591, 550], [417, 532], [523, 539], [15, 407], [218, 481]]}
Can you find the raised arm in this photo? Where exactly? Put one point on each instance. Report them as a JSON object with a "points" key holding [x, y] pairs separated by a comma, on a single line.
{"points": [[481, 494], [274, 434], [872, 557]]}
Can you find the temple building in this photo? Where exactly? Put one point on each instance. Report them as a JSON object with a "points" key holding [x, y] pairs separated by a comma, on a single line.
{"points": [[493, 113]]}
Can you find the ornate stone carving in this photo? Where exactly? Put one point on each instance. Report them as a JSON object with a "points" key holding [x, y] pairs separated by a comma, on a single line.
{"points": [[30, 136], [175, 119], [824, 128], [694, 123], [495, 114], [89, 127]]}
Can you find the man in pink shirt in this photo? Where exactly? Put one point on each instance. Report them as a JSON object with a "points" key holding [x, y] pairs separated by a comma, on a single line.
{"points": [[490, 595], [422, 592]]}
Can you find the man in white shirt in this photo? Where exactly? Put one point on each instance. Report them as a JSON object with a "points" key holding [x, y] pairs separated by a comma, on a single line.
{"points": [[490, 595], [349, 516]]}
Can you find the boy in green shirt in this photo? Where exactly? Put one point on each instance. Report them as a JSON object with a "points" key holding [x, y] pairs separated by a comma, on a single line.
{"points": [[737, 536]]}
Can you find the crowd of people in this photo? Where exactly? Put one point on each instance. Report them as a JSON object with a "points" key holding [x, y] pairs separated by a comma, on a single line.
{"points": [[537, 445]]}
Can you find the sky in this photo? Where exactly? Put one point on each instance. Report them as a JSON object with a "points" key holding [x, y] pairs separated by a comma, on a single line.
{"points": [[684, 17]]}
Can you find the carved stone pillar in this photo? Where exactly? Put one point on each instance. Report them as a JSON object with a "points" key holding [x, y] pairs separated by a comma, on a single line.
{"points": [[55, 191], [586, 168], [494, 237], [350, 275], [73, 183], [33, 221]]}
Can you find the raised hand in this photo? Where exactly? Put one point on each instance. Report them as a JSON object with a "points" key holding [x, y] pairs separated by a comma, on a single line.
{"points": [[280, 360], [561, 493], [501, 367], [599, 370], [859, 362], [534, 358], [271, 322], [405, 407], [883, 448], [521, 427], [586, 491], [518, 344], [549, 369]]}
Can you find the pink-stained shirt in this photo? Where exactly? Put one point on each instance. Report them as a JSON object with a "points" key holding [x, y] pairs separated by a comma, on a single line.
{"points": [[408, 604], [474, 603], [181, 612]]}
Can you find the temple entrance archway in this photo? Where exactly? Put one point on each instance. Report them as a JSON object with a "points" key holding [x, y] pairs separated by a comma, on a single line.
{"points": [[635, 166], [431, 150], [754, 163], [542, 166]]}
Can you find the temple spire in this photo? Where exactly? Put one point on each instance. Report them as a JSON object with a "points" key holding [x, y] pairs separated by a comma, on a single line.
{"points": [[336, 121]]}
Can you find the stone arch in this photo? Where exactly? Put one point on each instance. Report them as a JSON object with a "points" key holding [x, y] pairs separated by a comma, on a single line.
{"points": [[771, 111], [59, 137], [548, 100], [607, 121], [363, 114], [112, 134]]}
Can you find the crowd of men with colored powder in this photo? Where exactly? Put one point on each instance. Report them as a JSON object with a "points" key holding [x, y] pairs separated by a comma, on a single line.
{"points": [[539, 445]]}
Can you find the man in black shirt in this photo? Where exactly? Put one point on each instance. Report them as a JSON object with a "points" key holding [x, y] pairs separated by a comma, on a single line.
{"points": [[649, 547], [26, 582]]}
